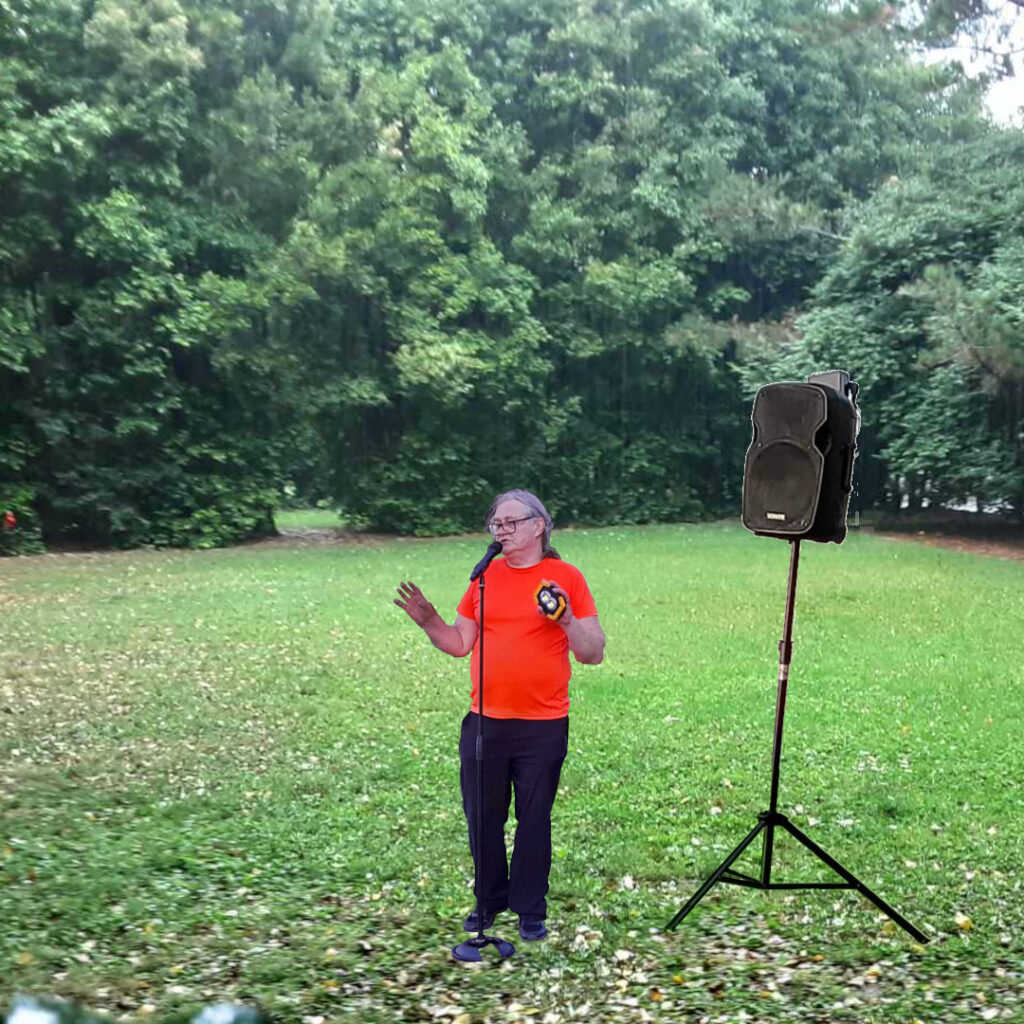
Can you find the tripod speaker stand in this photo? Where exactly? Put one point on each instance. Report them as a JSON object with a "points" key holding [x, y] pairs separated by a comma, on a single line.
{"points": [[772, 819]]}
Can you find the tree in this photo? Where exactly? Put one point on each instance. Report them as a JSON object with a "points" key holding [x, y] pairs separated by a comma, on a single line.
{"points": [[925, 306], [410, 253]]}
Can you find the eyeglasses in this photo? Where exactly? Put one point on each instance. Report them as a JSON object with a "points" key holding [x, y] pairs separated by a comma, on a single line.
{"points": [[509, 524]]}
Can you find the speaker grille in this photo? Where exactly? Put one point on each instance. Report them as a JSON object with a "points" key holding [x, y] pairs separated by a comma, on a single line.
{"points": [[782, 489], [794, 411]]}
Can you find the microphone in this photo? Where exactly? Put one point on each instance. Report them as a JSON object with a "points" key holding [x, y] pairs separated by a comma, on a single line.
{"points": [[494, 548]]}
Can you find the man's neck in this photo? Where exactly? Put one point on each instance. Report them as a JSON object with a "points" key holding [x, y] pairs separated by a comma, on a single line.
{"points": [[525, 559]]}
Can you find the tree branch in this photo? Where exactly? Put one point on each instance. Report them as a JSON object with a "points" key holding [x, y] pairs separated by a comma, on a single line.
{"points": [[824, 233]]}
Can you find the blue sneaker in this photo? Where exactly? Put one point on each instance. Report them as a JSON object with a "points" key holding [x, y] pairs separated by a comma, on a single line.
{"points": [[532, 929], [472, 922]]}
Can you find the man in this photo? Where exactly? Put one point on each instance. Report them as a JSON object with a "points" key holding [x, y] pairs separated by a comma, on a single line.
{"points": [[526, 701]]}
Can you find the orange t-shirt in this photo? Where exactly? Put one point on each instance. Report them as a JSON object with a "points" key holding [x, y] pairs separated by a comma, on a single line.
{"points": [[526, 656]]}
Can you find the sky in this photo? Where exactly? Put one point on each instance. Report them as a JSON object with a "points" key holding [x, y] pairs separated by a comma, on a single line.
{"points": [[1006, 97]]}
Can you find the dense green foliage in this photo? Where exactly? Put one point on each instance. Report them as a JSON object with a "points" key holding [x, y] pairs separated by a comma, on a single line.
{"points": [[402, 254], [927, 301]]}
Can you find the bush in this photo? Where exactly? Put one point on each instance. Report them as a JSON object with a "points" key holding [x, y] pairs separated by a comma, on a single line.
{"points": [[26, 537]]}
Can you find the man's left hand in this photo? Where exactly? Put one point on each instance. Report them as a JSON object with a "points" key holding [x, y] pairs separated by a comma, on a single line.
{"points": [[567, 616]]}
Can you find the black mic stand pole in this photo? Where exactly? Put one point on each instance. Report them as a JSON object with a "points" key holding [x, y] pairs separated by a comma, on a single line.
{"points": [[768, 821], [470, 949]]}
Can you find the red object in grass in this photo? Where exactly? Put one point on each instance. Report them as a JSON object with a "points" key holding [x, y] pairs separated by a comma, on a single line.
{"points": [[10, 520]]}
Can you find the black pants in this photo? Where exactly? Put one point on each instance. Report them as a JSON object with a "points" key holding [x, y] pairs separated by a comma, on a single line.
{"points": [[527, 755]]}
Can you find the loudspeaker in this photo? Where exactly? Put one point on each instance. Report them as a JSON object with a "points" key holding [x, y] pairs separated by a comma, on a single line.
{"points": [[798, 472]]}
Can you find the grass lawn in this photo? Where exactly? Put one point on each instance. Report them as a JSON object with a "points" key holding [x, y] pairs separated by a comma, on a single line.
{"points": [[298, 519], [233, 775]]}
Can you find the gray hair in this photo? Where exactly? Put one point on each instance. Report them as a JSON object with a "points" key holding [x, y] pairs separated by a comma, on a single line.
{"points": [[535, 507]]}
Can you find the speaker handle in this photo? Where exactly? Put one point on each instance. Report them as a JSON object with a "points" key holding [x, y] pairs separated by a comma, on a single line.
{"points": [[847, 477]]}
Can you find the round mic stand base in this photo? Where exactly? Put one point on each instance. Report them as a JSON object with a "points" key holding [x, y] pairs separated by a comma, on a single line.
{"points": [[470, 949]]}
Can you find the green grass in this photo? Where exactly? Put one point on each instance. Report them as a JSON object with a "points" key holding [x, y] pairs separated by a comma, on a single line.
{"points": [[307, 519], [233, 775]]}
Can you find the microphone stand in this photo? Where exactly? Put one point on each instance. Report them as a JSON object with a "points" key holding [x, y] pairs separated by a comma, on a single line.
{"points": [[470, 949]]}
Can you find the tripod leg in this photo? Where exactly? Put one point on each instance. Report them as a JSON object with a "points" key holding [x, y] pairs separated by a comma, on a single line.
{"points": [[857, 884], [766, 853], [718, 872]]}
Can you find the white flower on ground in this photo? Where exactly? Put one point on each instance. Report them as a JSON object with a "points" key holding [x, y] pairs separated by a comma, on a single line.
{"points": [[27, 1011], [228, 1013]]}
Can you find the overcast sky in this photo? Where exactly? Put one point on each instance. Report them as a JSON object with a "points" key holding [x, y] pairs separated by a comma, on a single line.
{"points": [[1006, 97]]}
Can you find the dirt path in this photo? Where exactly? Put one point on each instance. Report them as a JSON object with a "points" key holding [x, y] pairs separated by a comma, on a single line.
{"points": [[1013, 549], [1002, 544], [992, 547]]}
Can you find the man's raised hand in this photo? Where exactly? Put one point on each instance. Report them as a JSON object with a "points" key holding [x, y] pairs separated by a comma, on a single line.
{"points": [[411, 600]]}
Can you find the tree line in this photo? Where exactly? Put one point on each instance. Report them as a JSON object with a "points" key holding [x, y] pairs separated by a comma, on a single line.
{"points": [[398, 255]]}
